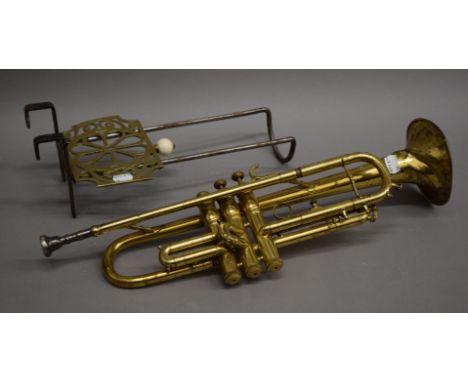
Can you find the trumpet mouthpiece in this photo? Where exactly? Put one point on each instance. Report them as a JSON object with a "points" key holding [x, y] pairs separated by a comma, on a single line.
{"points": [[50, 244]]}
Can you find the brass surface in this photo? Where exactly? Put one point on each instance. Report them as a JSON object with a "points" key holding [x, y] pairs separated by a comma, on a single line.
{"points": [[130, 154], [239, 234], [427, 143], [111, 150]]}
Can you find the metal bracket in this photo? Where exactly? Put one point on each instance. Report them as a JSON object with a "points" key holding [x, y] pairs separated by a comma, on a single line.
{"points": [[273, 142], [74, 145], [41, 106], [60, 143], [45, 106]]}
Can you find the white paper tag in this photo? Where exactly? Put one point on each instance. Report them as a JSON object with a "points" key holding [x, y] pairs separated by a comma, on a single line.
{"points": [[391, 162], [126, 177]]}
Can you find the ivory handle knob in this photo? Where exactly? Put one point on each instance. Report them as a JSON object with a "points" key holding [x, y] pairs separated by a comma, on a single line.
{"points": [[165, 146]]}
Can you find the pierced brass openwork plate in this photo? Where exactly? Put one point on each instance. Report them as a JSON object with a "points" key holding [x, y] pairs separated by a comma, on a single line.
{"points": [[129, 156], [113, 150]]}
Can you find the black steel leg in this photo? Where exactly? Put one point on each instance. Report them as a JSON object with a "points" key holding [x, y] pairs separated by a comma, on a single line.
{"points": [[62, 145], [46, 106], [61, 162]]}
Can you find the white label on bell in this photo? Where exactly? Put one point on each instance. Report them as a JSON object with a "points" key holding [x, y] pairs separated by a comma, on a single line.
{"points": [[126, 177], [391, 161]]}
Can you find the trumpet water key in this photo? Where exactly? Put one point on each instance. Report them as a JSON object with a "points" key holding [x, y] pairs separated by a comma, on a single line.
{"points": [[238, 234], [112, 150]]}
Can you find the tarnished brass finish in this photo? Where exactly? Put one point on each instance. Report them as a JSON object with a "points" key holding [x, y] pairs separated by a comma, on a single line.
{"points": [[112, 150], [425, 162], [427, 143], [238, 236], [130, 152]]}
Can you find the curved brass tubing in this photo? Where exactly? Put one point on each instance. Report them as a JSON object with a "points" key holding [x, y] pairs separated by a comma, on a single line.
{"points": [[425, 162], [141, 237], [171, 261], [238, 237]]}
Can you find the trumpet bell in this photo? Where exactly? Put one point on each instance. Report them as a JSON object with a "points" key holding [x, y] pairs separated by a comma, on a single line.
{"points": [[427, 142], [239, 237]]}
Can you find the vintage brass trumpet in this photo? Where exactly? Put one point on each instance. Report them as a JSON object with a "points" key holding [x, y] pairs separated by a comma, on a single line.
{"points": [[228, 214]]}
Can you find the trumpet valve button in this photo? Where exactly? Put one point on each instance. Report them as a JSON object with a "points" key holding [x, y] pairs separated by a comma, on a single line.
{"points": [[237, 176], [165, 146], [220, 184]]}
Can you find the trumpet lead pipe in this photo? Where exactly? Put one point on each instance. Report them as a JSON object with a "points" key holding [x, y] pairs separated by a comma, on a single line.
{"points": [[50, 244]]}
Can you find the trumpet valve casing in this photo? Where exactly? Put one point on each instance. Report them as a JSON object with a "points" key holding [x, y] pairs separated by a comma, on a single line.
{"points": [[229, 268], [238, 236], [266, 247], [227, 260], [240, 239]]}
